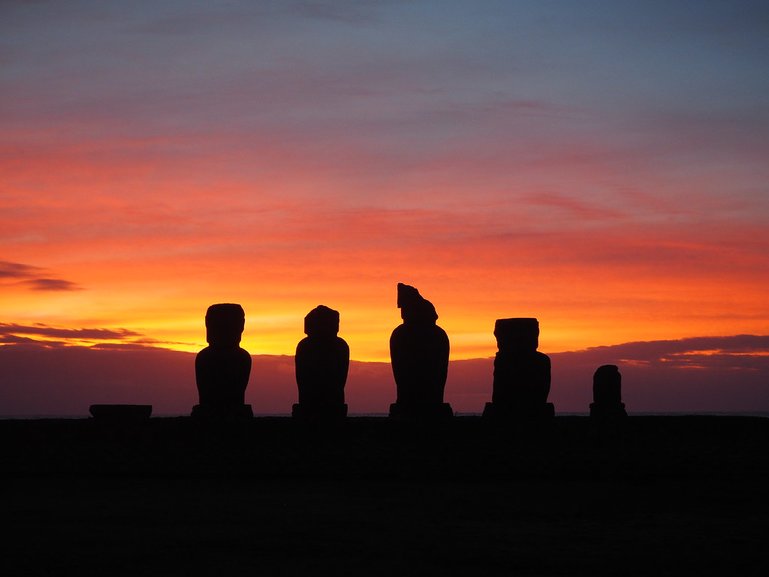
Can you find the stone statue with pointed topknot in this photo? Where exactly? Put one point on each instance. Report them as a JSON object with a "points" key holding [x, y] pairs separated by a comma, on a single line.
{"points": [[419, 351], [521, 373], [607, 394], [322, 361], [222, 368]]}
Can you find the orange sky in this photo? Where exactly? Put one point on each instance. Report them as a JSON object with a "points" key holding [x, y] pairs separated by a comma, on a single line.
{"points": [[152, 165], [584, 292]]}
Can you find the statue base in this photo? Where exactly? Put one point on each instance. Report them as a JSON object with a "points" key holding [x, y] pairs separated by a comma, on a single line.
{"points": [[120, 413], [605, 412], [308, 412], [540, 412], [222, 413], [431, 412]]}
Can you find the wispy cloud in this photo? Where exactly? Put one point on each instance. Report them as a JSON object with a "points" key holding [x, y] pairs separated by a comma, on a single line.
{"points": [[51, 284], [42, 330], [739, 352], [571, 206], [14, 270], [35, 278], [731, 344], [14, 339], [49, 337]]}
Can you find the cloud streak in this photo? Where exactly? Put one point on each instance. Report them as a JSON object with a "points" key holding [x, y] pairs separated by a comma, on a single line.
{"points": [[33, 277], [47, 332]]}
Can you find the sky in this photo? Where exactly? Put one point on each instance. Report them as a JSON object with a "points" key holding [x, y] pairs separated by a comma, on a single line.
{"points": [[599, 165]]}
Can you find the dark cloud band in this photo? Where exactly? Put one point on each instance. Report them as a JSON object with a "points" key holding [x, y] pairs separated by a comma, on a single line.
{"points": [[58, 333], [34, 277]]}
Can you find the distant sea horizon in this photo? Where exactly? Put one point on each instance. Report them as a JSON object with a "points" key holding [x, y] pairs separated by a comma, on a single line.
{"points": [[764, 414]]}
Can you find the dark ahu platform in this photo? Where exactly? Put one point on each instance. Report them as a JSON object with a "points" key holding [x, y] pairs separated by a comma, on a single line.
{"points": [[223, 413], [511, 413], [383, 497], [120, 413], [424, 412], [320, 412]]}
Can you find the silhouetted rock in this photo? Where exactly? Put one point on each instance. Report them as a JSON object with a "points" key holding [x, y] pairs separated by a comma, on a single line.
{"points": [[322, 361], [607, 393], [222, 368], [521, 373], [121, 413], [419, 351]]}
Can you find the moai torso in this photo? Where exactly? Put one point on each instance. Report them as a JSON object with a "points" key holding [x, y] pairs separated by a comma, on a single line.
{"points": [[322, 359], [521, 373], [419, 351], [222, 368]]}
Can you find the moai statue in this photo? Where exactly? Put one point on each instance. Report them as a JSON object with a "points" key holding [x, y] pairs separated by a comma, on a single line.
{"points": [[607, 393], [322, 360], [521, 373], [222, 368], [419, 351]]}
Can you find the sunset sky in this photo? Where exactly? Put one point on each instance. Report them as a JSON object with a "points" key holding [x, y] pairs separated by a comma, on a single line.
{"points": [[600, 165]]}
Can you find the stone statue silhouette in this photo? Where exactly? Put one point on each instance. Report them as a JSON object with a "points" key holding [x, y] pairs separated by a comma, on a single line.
{"points": [[521, 373], [419, 352], [322, 361], [607, 393], [222, 368]]}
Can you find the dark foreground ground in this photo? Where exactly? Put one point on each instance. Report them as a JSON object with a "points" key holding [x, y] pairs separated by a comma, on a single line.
{"points": [[656, 496]]}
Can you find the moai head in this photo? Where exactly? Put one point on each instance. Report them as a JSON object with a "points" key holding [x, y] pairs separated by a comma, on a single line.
{"points": [[414, 307], [520, 334], [607, 384], [321, 321], [224, 324]]}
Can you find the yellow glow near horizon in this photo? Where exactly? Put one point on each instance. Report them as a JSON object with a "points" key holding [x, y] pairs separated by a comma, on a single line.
{"points": [[179, 325]]}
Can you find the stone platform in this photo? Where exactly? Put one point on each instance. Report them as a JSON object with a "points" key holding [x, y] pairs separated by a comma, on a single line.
{"points": [[377, 496]]}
